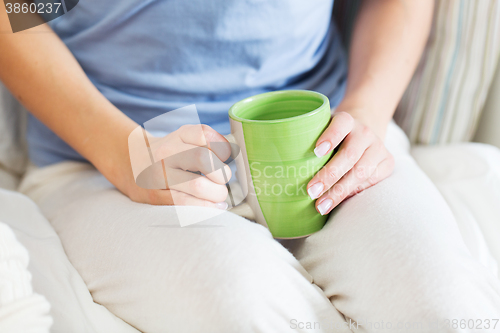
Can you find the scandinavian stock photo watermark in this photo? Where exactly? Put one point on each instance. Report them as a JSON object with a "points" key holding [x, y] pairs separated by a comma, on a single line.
{"points": [[293, 175], [27, 14], [483, 324]]}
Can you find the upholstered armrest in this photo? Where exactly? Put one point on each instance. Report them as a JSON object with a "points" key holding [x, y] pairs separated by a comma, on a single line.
{"points": [[488, 130]]}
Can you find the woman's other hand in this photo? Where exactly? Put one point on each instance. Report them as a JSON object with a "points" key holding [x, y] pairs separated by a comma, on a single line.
{"points": [[190, 169], [360, 162]]}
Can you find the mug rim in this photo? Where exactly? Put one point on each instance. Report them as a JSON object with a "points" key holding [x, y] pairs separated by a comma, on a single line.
{"points": [[251, 99]]}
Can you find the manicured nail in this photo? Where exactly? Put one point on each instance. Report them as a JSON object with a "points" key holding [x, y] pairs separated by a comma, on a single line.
{"points": [[315, 190], [325, 206], [221, 205], [322, 149]]}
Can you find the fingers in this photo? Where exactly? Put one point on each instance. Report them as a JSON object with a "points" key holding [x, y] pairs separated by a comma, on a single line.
{"points": [[189, 150], [184, 199], [367, 165], [354, 182], [172, 197], [204, 135], [196, 185], [200, 159], [384, 170], [350, 152], [340, 126]]}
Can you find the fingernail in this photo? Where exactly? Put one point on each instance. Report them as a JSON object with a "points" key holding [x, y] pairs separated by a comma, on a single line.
{"points": [[322, 149], [315, 190], [221, 205], [325, 206]]}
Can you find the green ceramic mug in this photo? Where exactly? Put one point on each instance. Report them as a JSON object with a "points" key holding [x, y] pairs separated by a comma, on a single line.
{"points": [[276, 133]]}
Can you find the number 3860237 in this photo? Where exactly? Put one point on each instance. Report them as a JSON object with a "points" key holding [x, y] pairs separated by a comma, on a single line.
{"points": [[25, 8]]}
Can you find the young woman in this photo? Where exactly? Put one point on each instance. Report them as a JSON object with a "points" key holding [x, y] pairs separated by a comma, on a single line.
{"points": [[390, 256]]}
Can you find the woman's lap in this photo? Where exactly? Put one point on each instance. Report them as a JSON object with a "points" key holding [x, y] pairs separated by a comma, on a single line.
{"points": [[220, 275], [392, 253]]}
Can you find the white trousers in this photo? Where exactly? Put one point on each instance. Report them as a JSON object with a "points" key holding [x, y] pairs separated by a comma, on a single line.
{"points": [[389, 259]]}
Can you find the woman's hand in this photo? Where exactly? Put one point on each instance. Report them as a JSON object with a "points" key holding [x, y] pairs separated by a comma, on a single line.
{"points": [[360, 162], [189, 169]]}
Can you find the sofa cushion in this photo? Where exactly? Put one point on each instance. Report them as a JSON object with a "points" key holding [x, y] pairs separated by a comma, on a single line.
{"points": [[8, 180], [487, 130], [13, 147], [468, 177]]}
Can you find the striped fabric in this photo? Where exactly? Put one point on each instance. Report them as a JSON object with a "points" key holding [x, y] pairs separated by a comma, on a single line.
{"points": [[447, 93]]}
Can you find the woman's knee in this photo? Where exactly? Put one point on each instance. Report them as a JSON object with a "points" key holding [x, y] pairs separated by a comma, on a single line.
{"points": [[400, 272]]}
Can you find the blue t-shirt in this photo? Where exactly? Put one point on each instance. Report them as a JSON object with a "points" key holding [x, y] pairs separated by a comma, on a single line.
{"points": [[153, 56]]}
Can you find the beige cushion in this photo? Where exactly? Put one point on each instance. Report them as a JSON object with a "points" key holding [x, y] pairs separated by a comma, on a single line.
{"points": [[468, 177], [488, 130], [13, 147]]}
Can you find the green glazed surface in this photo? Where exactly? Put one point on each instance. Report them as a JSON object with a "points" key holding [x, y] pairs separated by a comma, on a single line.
{"points": [[280, 130]]}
